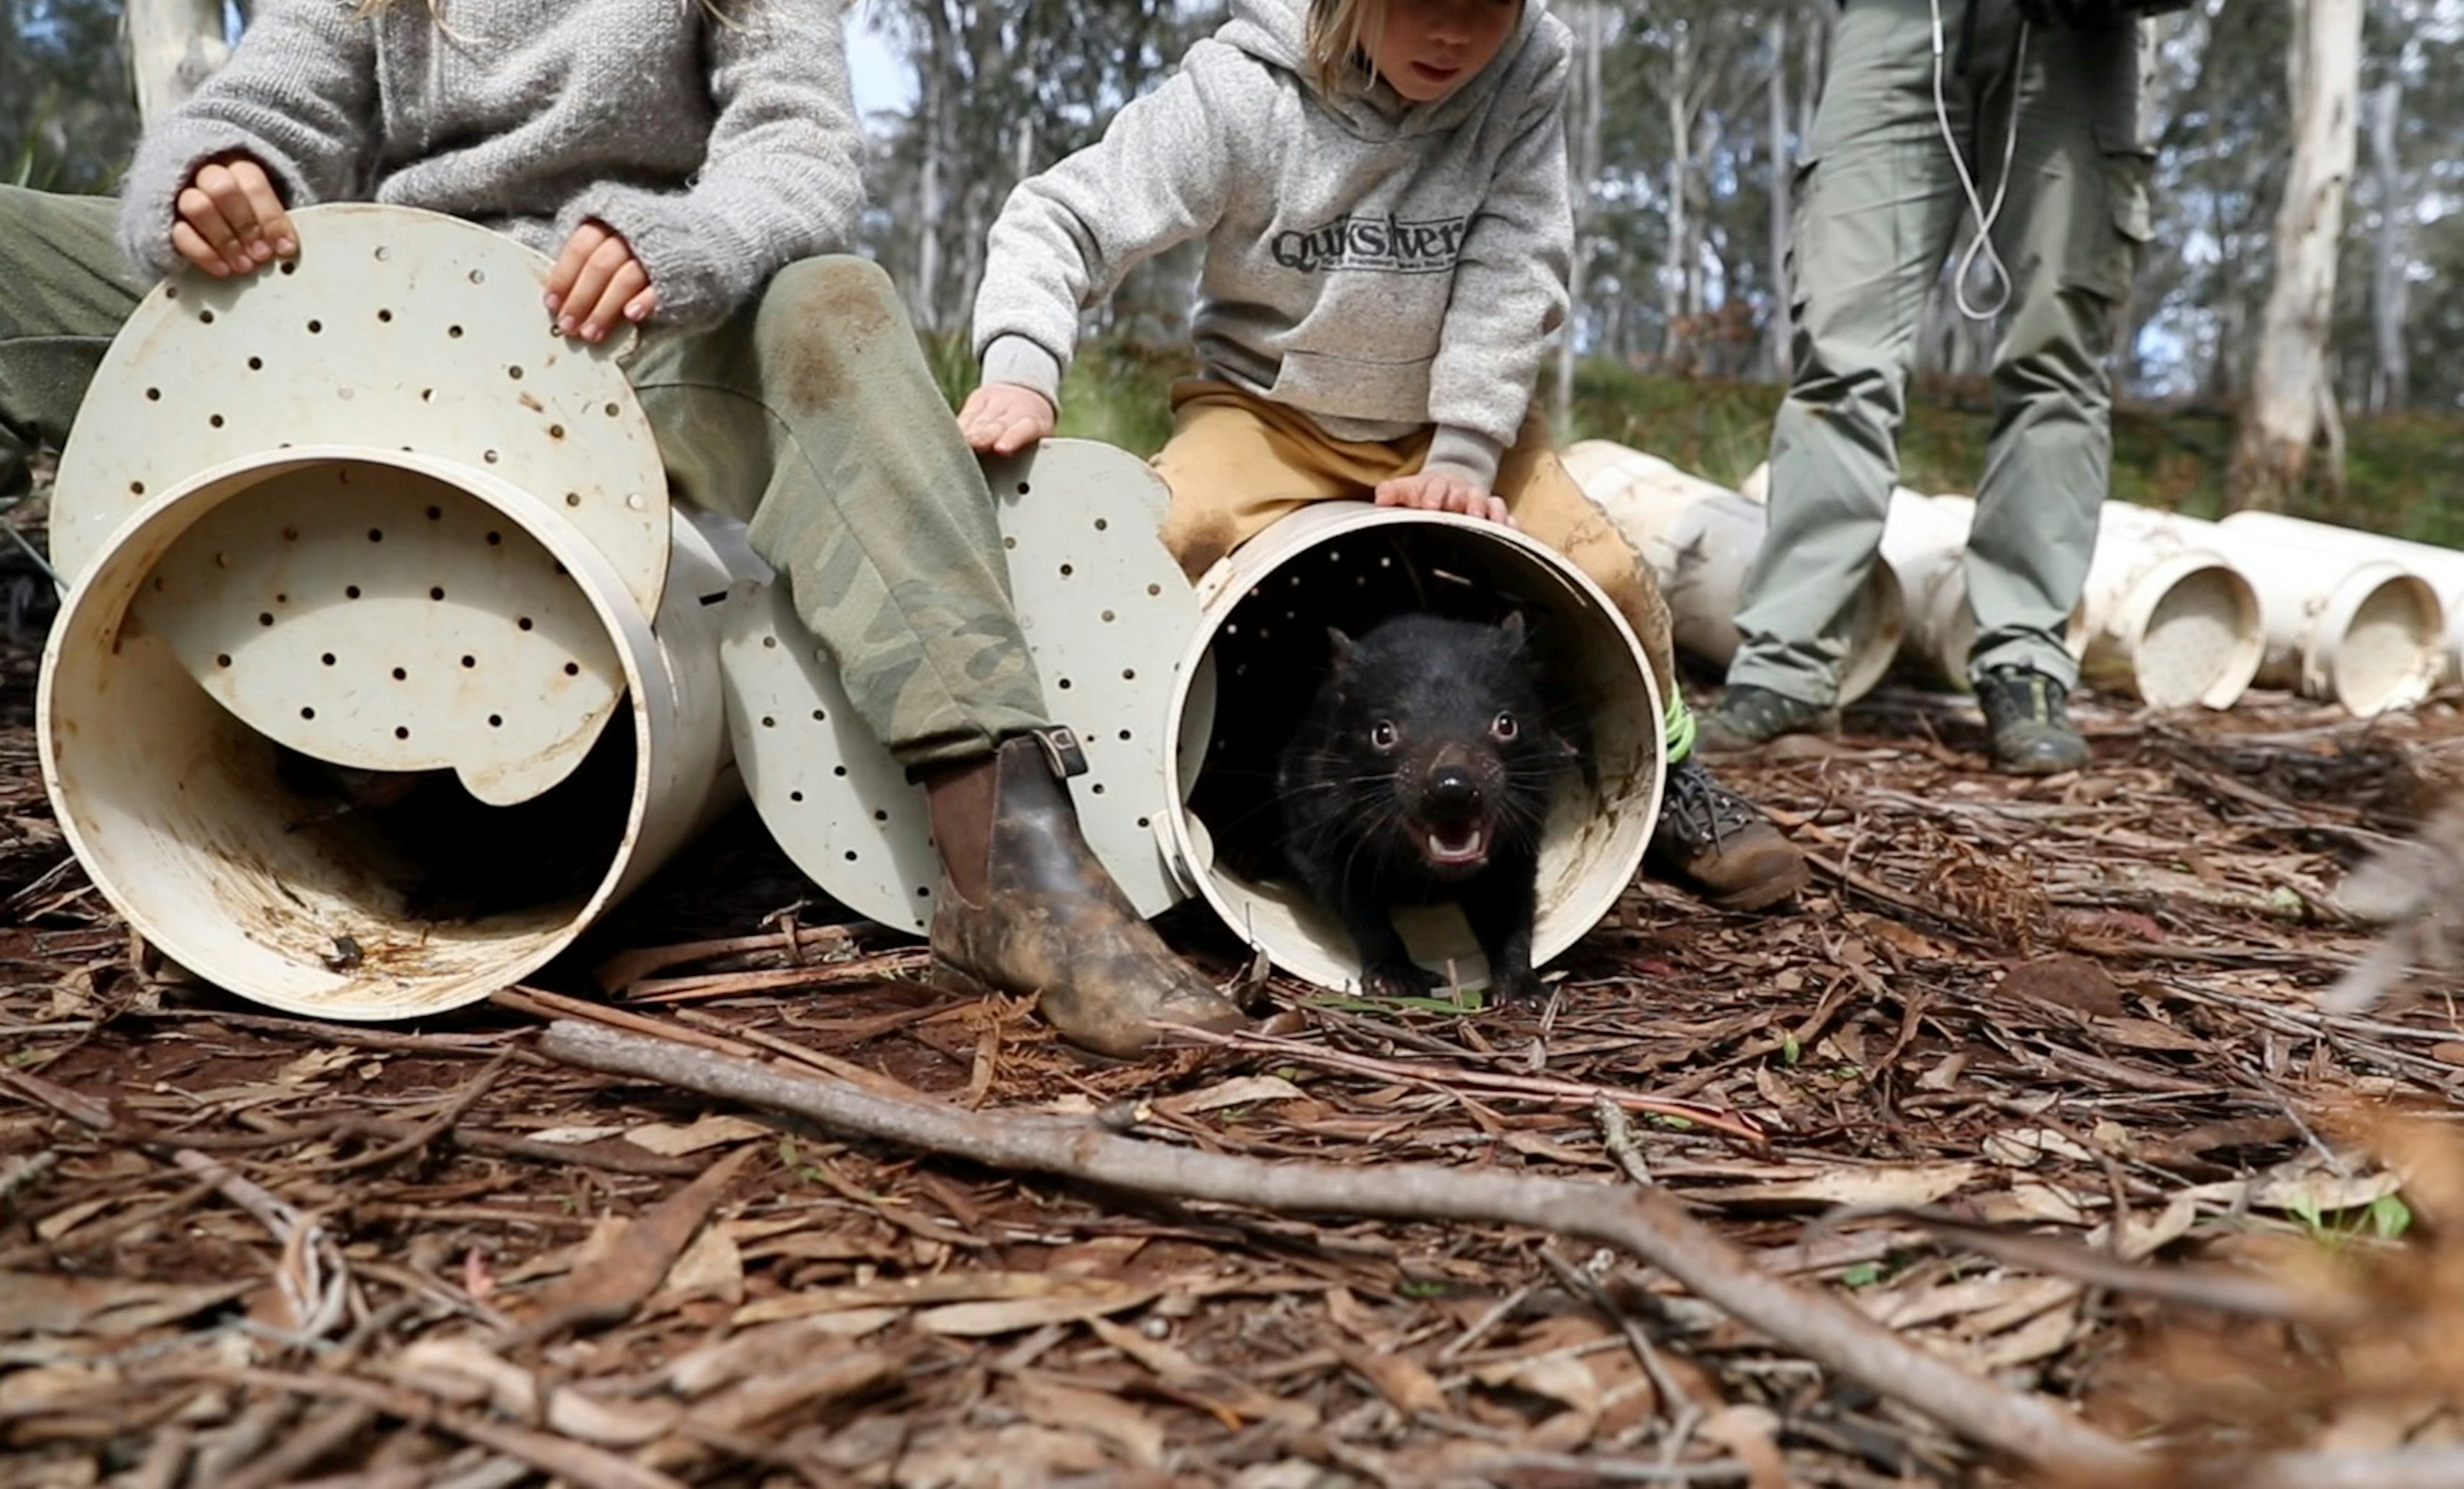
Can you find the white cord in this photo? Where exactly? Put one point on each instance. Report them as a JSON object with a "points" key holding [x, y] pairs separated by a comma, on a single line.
{"points": [[1977, 209]]}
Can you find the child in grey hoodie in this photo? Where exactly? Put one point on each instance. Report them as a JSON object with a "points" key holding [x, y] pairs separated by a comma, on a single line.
{"points": [[692, 165], [1381, 189]]}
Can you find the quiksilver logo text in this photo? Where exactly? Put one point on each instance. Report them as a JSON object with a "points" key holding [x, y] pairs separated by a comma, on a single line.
{"points": [[1381, 243]]}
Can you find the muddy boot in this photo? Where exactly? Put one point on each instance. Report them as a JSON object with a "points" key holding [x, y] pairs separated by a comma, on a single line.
{"points": [[1720, 845], [2028, 714], [1748, 717], [1026, 907]]}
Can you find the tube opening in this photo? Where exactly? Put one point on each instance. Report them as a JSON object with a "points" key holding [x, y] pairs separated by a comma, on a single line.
{"points": [[1264, 643]]}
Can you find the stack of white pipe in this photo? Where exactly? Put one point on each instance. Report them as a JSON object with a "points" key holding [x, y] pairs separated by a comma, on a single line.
{"points": [[1699, 538], [2442, 567], [2363, 633]]}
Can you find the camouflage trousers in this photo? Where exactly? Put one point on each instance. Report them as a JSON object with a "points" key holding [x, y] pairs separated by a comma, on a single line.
{"points": [[810, 415]]}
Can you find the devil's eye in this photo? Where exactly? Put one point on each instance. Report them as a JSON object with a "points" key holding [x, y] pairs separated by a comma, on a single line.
{"points": [[1382, 734], [1505, 728]]}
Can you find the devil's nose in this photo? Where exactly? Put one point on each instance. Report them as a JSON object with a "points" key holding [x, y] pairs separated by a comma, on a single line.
{"points": [[1453, 789]]}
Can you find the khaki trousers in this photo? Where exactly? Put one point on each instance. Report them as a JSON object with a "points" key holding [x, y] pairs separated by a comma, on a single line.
{"points": [[1237, 462]]}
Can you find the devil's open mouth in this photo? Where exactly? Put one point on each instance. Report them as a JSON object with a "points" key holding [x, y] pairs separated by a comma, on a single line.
{"points": [[1453, 845]]}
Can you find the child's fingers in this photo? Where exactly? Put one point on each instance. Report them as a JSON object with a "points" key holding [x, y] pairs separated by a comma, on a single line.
{"points": [[203, 217], [192, 244], [562, 276], [275, 233], [598, 304]]}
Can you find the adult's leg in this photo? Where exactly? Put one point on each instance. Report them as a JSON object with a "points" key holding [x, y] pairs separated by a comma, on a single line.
{"points": [[64, 293], [1878, 206], [813, 416], [2071, 231]]}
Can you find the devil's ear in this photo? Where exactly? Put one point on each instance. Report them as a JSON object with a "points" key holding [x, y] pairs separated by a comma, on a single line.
{"points": [[1340, 647], [1512, 626]]}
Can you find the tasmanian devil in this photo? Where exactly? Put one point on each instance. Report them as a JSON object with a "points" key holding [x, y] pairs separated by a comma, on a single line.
{"points": [[1421, 772]]}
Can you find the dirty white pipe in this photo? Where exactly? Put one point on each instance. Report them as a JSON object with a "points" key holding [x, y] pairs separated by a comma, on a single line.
{"points": [[2442, 567], [2365, 633], [1276, 593], [1699, 538], [1925, 542], [371, 573], [2165, 619], [180, 810]]}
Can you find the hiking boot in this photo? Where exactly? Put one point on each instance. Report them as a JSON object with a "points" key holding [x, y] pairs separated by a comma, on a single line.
{"points": [[1720, 845], [1748, 717], [1026, 907], [2028, 714]]}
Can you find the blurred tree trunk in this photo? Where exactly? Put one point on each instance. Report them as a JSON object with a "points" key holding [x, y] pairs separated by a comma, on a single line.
{"points": [[2390, 379], [2290, 395], [1779, 333], [173, 45], [1584, 154]]}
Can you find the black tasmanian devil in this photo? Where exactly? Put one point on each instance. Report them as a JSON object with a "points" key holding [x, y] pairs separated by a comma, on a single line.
{"points": [[1422, 772]]}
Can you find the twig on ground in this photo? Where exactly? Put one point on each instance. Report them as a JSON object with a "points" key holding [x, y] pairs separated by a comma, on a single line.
{"points": [[1647, 1222]]}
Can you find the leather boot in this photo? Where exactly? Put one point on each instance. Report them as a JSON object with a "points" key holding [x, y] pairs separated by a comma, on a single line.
{"points": [[1025, 907]]}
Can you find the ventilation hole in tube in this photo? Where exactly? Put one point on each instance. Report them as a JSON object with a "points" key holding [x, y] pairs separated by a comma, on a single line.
{"points": [[401, 675], [495, 721], [222, 659]]}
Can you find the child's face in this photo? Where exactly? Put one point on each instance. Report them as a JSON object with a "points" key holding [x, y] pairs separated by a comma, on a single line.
{"points": [[1429, 48]]}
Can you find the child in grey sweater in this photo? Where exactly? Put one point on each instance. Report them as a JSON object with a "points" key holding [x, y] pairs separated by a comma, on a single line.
{"points": [[1381, 189], [692, 167]]}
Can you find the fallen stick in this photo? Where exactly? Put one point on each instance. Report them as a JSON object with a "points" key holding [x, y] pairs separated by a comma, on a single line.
{"points": [[1647, 1222]]}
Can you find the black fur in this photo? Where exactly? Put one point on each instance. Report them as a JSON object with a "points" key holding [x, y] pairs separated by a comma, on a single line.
{"points": [[1422, 772]]}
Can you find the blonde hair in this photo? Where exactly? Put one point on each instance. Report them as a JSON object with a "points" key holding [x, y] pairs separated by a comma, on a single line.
{"points": [[1337, 34]]}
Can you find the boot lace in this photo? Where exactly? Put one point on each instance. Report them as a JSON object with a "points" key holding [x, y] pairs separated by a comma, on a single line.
{"points": [[1698, 810]]}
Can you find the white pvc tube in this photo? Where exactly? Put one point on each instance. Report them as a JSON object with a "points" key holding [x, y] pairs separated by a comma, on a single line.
{"points": [[177, 809], [1699, 538], [2165, 619], [2442, 567], [1925, 542], [1597, 830], [2364, 633]]}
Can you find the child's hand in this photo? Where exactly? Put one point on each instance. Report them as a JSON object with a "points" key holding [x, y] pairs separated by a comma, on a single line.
{"points": [[1004, 418], [1443, 490], [229, 219], [596, 281]]}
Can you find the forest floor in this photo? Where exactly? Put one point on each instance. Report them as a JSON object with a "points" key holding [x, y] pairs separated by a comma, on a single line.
{"points": [[239, 1249]]}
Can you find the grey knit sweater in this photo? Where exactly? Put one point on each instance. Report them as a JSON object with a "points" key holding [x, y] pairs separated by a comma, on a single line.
{"points": [[720, 149], [1378, 265]]}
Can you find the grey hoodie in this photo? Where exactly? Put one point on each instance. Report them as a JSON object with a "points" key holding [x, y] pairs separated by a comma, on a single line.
{"points": [[1379, 265], [720, 149]]}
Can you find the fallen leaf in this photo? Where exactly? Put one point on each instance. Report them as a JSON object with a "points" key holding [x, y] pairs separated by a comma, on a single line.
{"points": [[1068, 1407], [1072, 1301], [1893, 1184], [1239, 1091], [40, 1303], [670, 1141]]}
